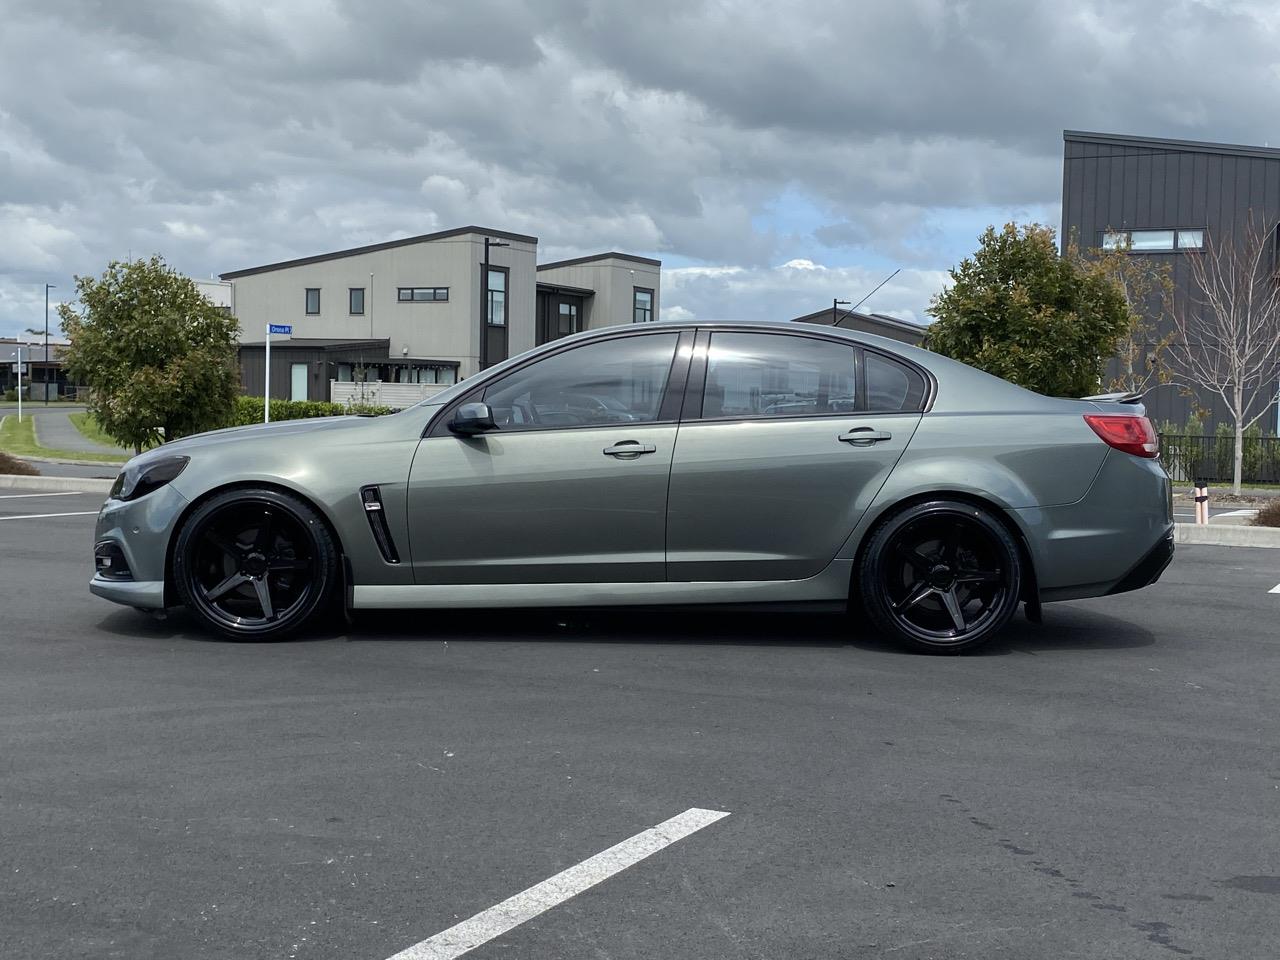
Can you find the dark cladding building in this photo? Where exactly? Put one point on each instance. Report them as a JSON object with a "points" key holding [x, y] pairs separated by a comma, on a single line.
{"points": [[1165, 197]]}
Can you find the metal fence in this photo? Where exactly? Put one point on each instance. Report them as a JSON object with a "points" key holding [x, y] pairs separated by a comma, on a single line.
{"points": [[1210, 458]]}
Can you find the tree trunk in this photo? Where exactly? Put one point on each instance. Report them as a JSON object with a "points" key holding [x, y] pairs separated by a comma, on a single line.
{"points": [[1238, 465]]}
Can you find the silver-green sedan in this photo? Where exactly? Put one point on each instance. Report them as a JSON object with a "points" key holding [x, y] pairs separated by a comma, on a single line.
{"points": [[716, 464]]}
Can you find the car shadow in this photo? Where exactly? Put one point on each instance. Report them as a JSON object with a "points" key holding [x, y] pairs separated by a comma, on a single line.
{"points": [[1066, 627]]}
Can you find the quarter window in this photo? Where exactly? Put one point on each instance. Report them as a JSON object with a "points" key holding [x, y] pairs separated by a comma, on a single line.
{"points": [[313, 301], [642, 305], [598, 384], [355, 301], [891, 386], [774, 375], [422, 294]]}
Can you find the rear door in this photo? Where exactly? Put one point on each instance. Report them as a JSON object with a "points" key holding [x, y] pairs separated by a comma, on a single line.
{"points": [[785, 440]]}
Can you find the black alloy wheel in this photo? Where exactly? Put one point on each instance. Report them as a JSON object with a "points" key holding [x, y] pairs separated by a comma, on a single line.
{"points": [[943, 576], [254, 564]]}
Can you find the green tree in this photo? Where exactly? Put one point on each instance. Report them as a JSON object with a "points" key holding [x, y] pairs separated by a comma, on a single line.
{"points": [[159, 358], [1019, 310]]}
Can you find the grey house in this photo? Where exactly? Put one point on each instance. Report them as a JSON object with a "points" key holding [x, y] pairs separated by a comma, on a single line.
{"points": [[424, 311], [1165, 197]]}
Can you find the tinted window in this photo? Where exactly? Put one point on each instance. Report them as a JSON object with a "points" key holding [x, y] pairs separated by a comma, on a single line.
{"points": [[892, 386], [774, 375], [615, 381]]}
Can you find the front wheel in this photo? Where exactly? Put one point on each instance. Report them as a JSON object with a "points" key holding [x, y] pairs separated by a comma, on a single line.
{"points": [[942, 576], [254, 564]]}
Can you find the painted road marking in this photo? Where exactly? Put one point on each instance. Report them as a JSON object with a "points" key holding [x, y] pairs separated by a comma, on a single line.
{"points": [[510, 913], [42, 516], [1275, 589], [23, 496]]}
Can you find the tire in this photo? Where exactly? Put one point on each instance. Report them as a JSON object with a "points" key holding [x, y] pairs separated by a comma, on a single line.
{"points": [[255, 564], [941, 576]]}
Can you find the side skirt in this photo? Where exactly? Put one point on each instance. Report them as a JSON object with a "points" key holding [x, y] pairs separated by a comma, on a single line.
{"points": [[832, 584]]}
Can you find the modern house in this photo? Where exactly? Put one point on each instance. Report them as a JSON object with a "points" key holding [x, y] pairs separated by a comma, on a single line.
{"points": [[1165, 197], [396, 321], [878, 323], [42, 376]]}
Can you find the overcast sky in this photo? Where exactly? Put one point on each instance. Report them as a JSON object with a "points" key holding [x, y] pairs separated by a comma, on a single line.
{"points": [[773, 155]]}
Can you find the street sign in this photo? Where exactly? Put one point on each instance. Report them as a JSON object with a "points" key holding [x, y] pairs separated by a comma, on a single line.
{"points": [[14, 368], [280, 328]]}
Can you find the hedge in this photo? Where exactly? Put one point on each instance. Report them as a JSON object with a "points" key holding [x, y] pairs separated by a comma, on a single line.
{"points": [[248, 410]]}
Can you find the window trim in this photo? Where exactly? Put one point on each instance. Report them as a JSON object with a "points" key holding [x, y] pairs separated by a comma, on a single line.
{"points": [[306, 301], [350, 291], [400, 298], [506, 296], [653, 300]]}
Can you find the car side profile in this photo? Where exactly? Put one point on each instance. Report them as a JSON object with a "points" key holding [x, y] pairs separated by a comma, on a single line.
{"points": [[712, 464]]}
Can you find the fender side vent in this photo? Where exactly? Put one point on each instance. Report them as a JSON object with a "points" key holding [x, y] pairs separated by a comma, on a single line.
{"points": [[371, 500]]}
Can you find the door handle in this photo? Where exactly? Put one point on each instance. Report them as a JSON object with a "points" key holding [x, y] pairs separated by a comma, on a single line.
{"points": [[864, 436], [629, 449]]}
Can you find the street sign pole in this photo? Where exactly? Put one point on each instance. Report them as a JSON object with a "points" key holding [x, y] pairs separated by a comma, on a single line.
{"points": [[19, 384], [266, 380]]}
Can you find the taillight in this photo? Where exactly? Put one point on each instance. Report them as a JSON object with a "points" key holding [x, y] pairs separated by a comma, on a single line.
{"points": [[1131, 434]]}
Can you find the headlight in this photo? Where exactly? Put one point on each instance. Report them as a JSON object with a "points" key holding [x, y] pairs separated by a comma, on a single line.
{"points": [[138, 481]]}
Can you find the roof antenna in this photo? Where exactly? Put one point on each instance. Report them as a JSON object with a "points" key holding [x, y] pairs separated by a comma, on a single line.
{"points": [[854, 308]]}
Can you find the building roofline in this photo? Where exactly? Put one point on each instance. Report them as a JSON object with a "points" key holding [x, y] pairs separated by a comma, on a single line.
{"points": [[549, 285], [375, 247], [613, 255], [320, 343], [823, 317], [1193, 146]]}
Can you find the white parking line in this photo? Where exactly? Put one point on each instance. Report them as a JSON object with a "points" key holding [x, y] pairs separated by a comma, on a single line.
{"points": [[541, 897], [1275, 589], [24, 496], [42, 516]]}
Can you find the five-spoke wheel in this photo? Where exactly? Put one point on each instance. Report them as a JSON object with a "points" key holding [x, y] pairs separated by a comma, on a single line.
{"points": [[942, 576], [254, 564]]}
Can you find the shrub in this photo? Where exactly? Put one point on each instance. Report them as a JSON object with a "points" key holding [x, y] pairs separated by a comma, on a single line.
{"points": [[11, 395], [248, 410], [13, 465], [1268, 516]]}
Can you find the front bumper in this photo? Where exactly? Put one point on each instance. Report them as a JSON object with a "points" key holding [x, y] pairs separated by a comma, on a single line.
{"points": [[141, 529], [144, 594]]}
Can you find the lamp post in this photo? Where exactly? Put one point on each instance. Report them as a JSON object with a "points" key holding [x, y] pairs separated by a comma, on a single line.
{"points": [[47, 288], [484, 301], [18, 354], [835, 310]]}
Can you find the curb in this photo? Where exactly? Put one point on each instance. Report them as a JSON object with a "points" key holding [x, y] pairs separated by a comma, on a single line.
{"points": [[1226, 535], [106, 464], [10, 481]]}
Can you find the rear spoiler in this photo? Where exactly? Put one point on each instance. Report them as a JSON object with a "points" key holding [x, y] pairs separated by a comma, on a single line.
{"points": [[1116, 397]]}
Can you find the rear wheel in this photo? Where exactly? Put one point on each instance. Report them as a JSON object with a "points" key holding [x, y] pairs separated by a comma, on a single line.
{"points": [[254, 564], [942, 576]]}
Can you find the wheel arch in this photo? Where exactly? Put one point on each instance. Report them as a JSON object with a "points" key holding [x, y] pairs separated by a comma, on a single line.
{"points": [[170, 598], [1030, 582]]}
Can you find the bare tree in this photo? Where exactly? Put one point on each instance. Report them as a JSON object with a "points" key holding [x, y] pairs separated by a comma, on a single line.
{"points": [[1226, 339]]}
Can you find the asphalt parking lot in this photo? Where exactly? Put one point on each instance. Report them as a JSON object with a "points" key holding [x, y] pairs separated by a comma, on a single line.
{"points": [[1104, 786]]}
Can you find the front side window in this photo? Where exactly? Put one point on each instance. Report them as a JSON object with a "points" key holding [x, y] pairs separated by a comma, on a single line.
{"points": [[496, 291], [313, 301], [422, 294], [598, 384], [775, 375], [355, 301], [642, 307]]}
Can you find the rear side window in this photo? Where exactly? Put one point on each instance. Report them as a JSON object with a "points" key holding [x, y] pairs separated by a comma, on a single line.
{"points": [[775, 375], [610, 382], [892, 387]]}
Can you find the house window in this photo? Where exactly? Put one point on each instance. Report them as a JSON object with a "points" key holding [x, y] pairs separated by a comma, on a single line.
{"points": [[313, 301], [496, 292], [355, 301], [642, 305], [422, 294], [1153, 241], [568, 319]]}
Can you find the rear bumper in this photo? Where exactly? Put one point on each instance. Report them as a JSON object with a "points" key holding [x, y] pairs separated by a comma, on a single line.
{"points": [[1147, 570]]}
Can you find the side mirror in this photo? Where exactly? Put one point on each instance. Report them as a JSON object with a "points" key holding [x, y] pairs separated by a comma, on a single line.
{"points": [[471, 419]]}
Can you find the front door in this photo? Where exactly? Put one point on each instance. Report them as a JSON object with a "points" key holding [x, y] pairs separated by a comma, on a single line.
{"points": [[570, 487], [298, 381], [776, 464]]}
